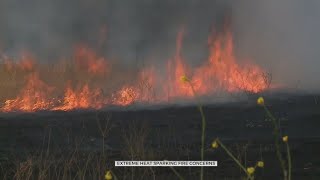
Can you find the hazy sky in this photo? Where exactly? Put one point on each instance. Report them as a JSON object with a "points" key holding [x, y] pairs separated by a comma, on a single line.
{"points": [[280, 35]]}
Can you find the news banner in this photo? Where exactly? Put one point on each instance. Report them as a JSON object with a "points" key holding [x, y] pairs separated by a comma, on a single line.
{"points": [[166, 163]]}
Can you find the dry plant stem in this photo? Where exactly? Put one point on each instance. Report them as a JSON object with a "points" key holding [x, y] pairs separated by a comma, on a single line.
{"points": [[153, 174], [48, 148], [289, 161], [250, 177], [202, 137], [203, 118], [114, 176], [176, 173], [277, 137], [231, 155], [104, 132]]}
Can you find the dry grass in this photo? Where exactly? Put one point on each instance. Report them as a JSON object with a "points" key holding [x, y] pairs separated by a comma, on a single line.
{"points": [[62, 163]]}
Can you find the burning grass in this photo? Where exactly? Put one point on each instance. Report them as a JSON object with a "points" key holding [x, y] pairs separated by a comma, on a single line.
{"points": [[92, 81]]}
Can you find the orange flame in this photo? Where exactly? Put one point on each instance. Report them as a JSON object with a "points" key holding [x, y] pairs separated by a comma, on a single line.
{"points": [[221, 72], [177, 69], [27, 62], [82, 99], [88, 60], [125, 96], [32, 98]]}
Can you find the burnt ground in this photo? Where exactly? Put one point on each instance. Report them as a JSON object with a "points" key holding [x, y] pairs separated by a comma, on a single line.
{"points": [[173, 133]]}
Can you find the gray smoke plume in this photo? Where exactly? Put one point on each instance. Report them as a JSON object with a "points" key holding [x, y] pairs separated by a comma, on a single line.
{"points": [[280, 35], [134, 29]]}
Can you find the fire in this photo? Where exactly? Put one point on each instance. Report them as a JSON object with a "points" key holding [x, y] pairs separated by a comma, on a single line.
{"points": [[83, 98], [222, 71], [91, 84], [125, 96], [27, 62], [32, 98], [147, 81], [176, 69], [86, 59]]}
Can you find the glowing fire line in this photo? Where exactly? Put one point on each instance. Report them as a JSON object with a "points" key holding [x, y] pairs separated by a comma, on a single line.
{"points": [[220, 72]]}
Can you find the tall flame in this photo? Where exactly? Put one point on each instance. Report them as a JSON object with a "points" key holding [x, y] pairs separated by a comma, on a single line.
{"points": [[222, 71], [97, 87], [176, 69]]}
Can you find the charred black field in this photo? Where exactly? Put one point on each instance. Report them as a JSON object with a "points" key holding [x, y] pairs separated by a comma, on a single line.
{"points": [[83, 144]]}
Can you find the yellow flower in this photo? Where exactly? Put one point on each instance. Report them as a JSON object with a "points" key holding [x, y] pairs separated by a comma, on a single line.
{"points": [[250, 170], [285, 138], [214, 145], [184, 79], [260, 101], [260, 164], [108, 175]]}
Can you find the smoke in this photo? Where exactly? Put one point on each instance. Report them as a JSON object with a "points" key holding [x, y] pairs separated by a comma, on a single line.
{"points": [[47, 28], [283, 36], [280, 35], [134, 29]]}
